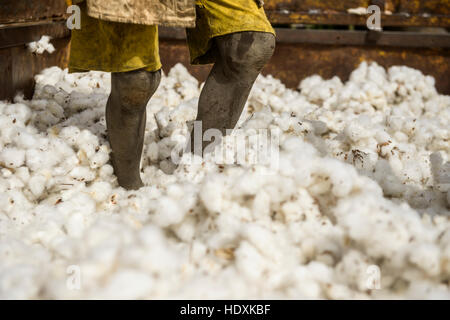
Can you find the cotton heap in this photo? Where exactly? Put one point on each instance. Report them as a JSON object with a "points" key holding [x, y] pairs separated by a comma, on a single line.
{"points": [[356, 207]]}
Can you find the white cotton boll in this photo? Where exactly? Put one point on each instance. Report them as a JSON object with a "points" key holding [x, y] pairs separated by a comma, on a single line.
{"points": [[420, 289], [165, 147], [353, 269], [23, 174], [56, 110], [100, 191], [41, 46], [306, 284], [382, 136], [339, 292], [45, 119], [186, 230], [33, 46], [388, 181], [248, 184], [127, 284], [250, 262], [276, 103], [263, 240], [69, 163], [7, 132], [18, 111], [48, 76], [427, 257], [38, 159], [440, 171], [342, 179], [319, 127], [100, 157], [25, 140], [167, 166], [179, 72], [152, 235], [229, 225], [78, 203], [307, 85], [106, 171], [358, 129], [82, 173], [211, 193], [158, 256], [397, 167], [152, 151], [70, 134], [168, 212], [37, 184], [175, 191], [75, 225], [6, 173], [198, 250], [401, 137], [411, 171], [261, 205], [19, 282], [12, 157]]}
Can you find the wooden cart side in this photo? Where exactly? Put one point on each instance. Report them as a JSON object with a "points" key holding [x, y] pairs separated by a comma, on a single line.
{"points": [[24, 21]]}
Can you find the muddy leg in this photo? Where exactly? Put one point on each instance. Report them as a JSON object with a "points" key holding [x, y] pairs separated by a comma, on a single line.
{"points": [[240, 58], [125, 120]]}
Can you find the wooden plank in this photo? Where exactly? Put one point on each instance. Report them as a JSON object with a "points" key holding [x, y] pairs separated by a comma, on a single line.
{"points": [[322, 5], [30, 10], [19, 66], [361, 38], [13, 35], [441, 7], [6, 85], [343, 37], [428, 6], [341, 18], [399, 13]]}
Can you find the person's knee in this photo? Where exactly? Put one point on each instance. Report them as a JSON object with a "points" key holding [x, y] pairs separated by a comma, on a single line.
{"points": [[245, 52], [134, 89]]}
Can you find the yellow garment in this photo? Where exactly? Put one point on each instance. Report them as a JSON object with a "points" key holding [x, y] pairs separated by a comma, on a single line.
{"points": [[113, 46], [120, 47], [220, 17]]}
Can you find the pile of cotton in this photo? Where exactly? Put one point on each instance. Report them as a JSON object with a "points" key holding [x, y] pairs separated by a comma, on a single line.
{"points": [[354, 203]]}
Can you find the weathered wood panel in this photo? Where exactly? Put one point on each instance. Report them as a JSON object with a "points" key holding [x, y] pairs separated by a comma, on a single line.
{"points": [[441, 7], [293, 62], [28, 32], [340, 18], [403, 39], [13, 11], [414, 13], [19, 66], [323, 5], [21, 22]]}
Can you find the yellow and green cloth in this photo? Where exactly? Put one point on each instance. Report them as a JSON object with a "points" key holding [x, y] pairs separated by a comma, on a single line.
{"points": [[120, 47]]}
